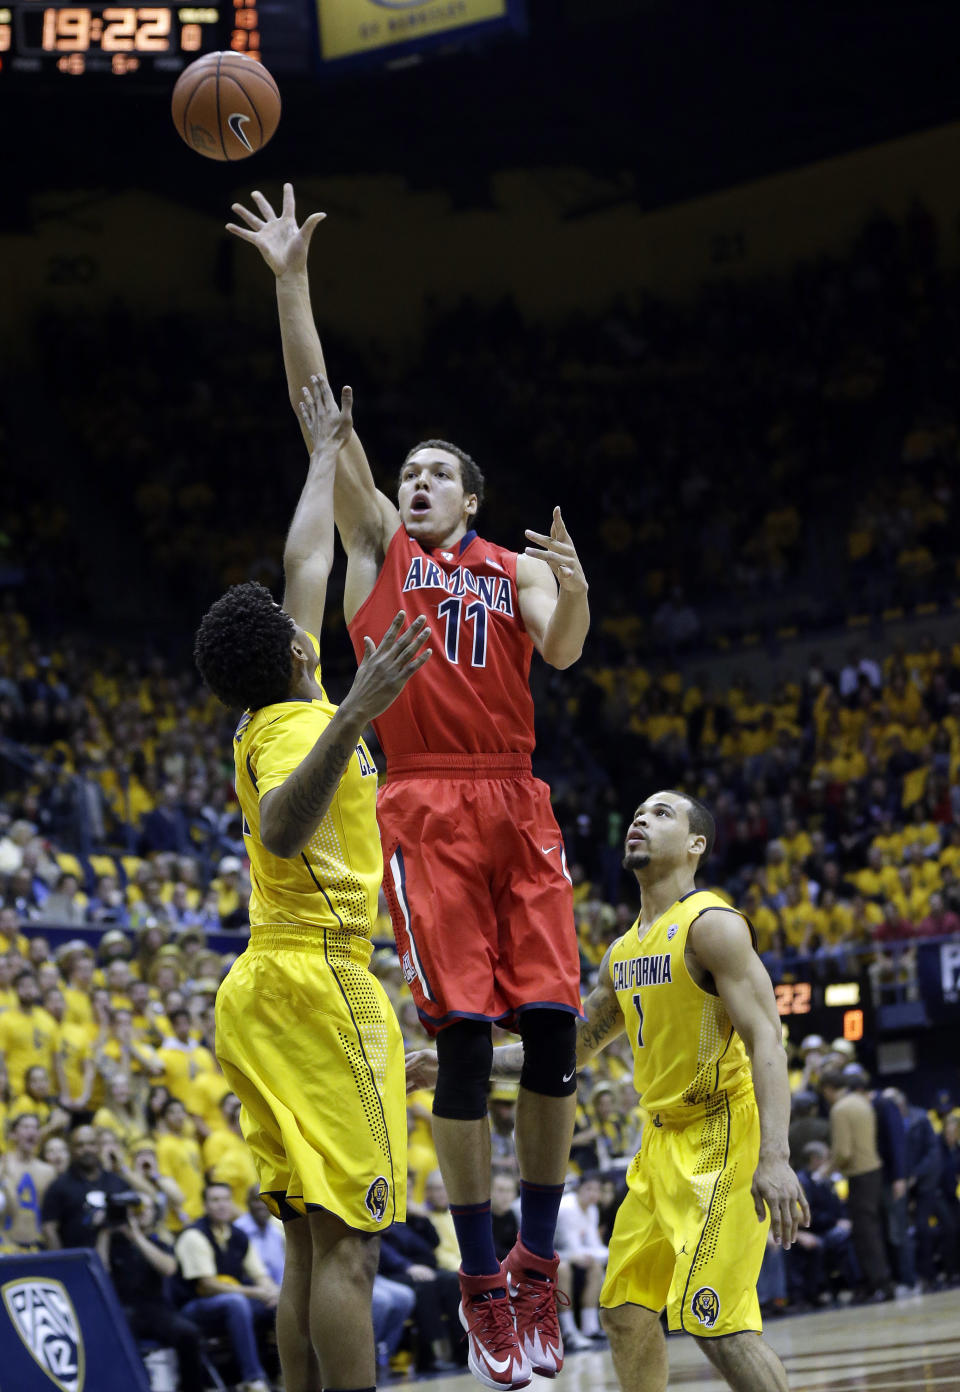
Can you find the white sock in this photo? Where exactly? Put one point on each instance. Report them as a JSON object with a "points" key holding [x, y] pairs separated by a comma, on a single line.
{"points": [[567, 1323], [590, 1320]]}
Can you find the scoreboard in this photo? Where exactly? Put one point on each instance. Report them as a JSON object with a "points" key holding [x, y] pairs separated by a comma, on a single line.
{"points": [[60, 38], [833, 1009]]}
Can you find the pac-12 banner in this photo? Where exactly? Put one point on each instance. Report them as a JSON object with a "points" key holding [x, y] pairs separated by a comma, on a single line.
{"points": [[61, 1326], [351, 28]]}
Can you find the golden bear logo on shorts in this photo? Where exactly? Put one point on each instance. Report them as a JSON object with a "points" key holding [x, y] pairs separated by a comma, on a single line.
{"points": [[377, 1196], [706, 1306]]}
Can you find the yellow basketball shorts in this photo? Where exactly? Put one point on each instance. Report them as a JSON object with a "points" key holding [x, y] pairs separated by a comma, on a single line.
{"points": [[687, 1237], [310, 1044]]}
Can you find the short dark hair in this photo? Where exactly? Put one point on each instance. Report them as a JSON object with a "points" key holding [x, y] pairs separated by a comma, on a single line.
{"points": [[242, 648], [214, 1184], [471, 474], [700, 820], [833, 1079]]}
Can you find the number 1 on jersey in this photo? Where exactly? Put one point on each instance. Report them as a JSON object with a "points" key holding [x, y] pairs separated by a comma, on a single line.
{"points": [[639, 1009], [476, 614]]}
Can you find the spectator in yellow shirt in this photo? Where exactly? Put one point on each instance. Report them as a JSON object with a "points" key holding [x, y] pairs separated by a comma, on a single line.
{"points": [[37, 1098], [121, 1113], [77, 964], [764, 919], [28, 1035], [795, 841], [226, 1155], [924, 868], [178, 1157], [74, 1068], [182, 1057], [911, 900], [877, 879]]}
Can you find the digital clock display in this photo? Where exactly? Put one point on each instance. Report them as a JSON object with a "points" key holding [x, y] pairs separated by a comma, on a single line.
{"points": [[44, 38], [834, 1008]]}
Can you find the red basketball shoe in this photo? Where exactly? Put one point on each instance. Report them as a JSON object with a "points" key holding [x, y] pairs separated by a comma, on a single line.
{"points": [[534, 1299], [495, 1357]]}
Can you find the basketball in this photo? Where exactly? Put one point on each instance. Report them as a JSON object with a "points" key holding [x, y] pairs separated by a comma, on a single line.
{"points": [[225, 106]]}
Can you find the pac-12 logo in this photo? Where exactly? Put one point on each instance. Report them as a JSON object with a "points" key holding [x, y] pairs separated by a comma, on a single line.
{"points": [[706, 1306], [377, 1197], [42, 1313]]}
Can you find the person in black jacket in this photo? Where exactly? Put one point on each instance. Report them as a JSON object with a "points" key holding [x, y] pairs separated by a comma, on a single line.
{"points": [[892, 1147], [407, 1255], [948, 1205], [822, 1254], [140, 1263], [924, 1165]]}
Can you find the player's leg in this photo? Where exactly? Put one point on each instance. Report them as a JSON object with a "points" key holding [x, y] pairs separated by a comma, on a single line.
{"points": [[637, 1347], [746, 1363], [298, 1360], [546, 1108], [641, 1262], [341, 1298]]}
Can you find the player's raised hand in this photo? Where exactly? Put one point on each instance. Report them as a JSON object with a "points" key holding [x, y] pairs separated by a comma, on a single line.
{"points": [[421, 1069], [388, 666], [560, 554], [328, 425], [776, 1187], [281, 243]]}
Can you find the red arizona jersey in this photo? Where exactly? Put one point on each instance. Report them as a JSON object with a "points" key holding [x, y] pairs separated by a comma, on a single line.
{"points": [[473, 696]]}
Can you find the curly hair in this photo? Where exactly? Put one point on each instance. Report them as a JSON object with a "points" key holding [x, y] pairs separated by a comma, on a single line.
{"points": [[471, 475], [242, 648]]}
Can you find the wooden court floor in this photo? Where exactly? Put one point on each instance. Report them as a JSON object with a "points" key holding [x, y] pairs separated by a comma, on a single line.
{"points": [[908, 1345]]}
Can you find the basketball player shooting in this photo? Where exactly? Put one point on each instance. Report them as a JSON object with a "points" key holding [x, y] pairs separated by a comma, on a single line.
{"points": [[305, 1033], [476, 877], [686, 984]]}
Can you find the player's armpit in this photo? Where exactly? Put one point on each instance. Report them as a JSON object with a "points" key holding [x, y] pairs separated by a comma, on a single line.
{"points": [[604, 1018]]}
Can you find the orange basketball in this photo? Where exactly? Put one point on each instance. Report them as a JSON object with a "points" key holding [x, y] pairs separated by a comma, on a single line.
{"points": [[225, 106]]}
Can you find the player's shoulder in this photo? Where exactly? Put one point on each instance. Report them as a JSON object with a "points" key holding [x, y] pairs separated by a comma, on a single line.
{"points": [[281, 716]]}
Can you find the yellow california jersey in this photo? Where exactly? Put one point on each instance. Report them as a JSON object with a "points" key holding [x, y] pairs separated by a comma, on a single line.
{"points": [[685, 1050], [334, 882]]}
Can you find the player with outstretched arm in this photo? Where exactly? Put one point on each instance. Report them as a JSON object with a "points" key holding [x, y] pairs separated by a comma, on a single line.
{"points": [[305, 1033], [476, 875]]}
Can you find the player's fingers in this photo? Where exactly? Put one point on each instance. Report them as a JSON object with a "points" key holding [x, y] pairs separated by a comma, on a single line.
{"points": [[804, 1209], [394, 629], [346, 403], [249, 218], [416, 635], [417, 663], [289, 207], [266, 208], [554, 562], [369, 647], [759, 1206], [788, 1221], [311, 224], [243, 233], [541, 537]]}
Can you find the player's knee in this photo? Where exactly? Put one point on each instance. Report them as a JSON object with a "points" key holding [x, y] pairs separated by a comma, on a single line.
{"points": [[549, 1052], [464, 1060], [633, 1324]]}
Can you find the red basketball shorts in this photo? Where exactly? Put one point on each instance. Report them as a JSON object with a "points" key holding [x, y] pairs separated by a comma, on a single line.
{"points": [[479, 892]]}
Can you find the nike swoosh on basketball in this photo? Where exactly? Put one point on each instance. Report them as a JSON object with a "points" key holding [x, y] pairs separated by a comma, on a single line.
{"points": [[547, 849], [235, 122]]}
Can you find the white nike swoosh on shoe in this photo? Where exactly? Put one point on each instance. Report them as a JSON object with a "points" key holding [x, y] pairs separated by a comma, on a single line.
{"points": [[498, 1366]]}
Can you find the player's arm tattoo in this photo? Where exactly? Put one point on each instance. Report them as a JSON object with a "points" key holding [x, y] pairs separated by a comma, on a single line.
{"points": [[604, 1018], [290, 814]]}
